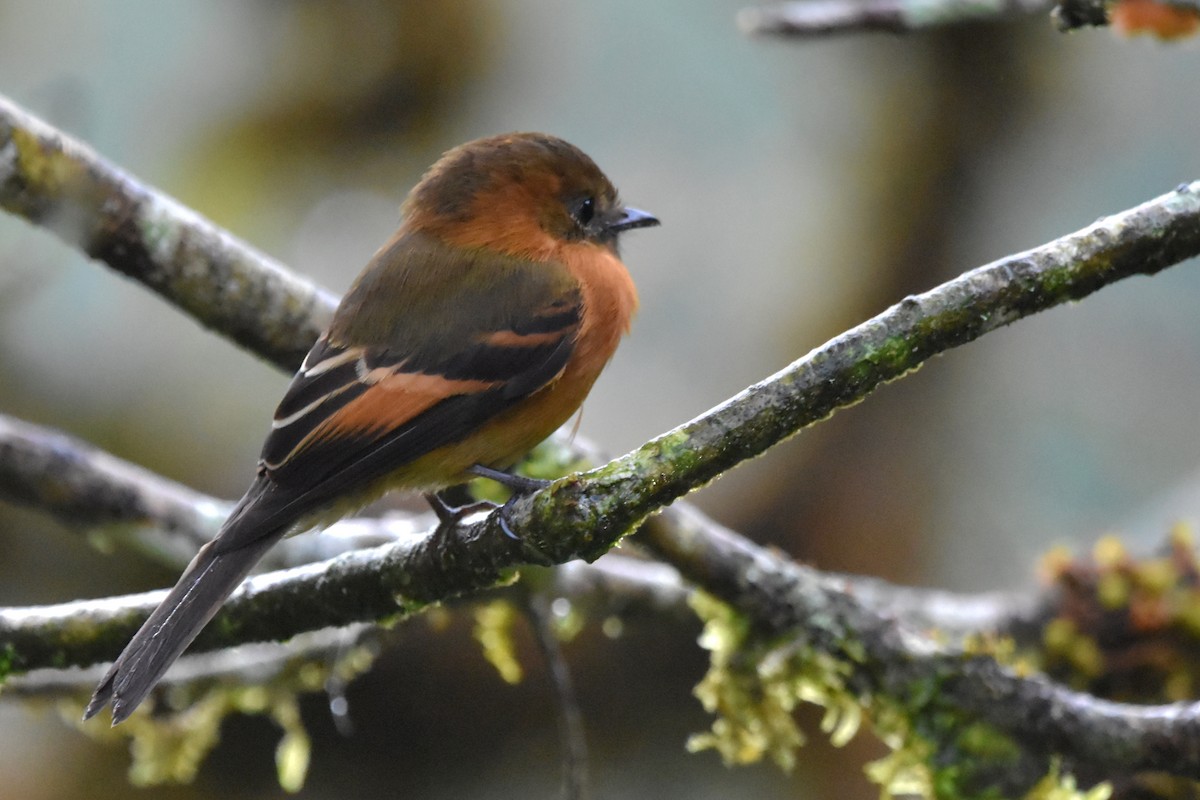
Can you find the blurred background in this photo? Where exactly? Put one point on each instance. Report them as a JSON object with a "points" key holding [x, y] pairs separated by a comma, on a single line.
{"points": [[803, 187]]}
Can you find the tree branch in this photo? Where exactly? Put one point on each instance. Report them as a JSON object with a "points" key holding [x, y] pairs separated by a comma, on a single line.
{"points": [[583, 515], [620, 586], [55, 181], [615, 498], [80, 485], [886, 656], [247, 664], [86, 488], [814, 18]]}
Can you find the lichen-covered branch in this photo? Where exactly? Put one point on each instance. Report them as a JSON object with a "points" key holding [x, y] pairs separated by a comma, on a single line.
{"points": [[362, 585], [55, 181], [83, 486], [615, 587], [813, 18], [88, 489], [249, 664], [582, 515], [816, 18], [886, 662]]}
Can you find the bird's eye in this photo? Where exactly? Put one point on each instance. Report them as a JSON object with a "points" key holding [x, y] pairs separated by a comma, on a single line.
{"points": [[586, 210]]}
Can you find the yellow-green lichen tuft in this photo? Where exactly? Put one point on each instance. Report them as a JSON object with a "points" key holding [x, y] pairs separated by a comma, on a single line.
{"points": [[8, 655], [45, 167], [753, 687], [1126, 624], [168, 746], [904, 772], [1059, 786], [494, 631]]}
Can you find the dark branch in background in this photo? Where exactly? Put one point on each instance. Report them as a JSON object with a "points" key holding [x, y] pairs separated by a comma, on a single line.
{"points": [[570, 719], [248, 664], [1072, 14], [815, 18], [86, 488], [954, 615], [584, 515], [82, 486], [784, 597], [223, 283]]}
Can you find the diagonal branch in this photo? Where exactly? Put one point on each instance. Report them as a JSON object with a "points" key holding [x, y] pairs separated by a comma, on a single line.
{"points": [[1142, 240], [59, 183], [81, 485], [87, 488], [885, 655], [606, 503]]}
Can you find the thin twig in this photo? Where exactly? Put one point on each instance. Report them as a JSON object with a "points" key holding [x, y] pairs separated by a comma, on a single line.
{"points": [[248, 664], [814, 18], [570, 720]]}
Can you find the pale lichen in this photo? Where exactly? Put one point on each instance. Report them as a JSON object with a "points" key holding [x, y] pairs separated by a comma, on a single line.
{"points": [[169, 744], [494, 631], [1058, 785], [754, 684], [753, 689]]}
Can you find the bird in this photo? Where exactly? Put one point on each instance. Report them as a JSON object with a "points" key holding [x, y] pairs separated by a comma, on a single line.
{"points": [[471, 335]]}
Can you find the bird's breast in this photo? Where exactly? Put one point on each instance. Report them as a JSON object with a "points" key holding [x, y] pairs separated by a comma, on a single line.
{"points": [[609, 299]]}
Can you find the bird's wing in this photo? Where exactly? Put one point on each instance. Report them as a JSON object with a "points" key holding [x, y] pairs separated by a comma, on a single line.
{"points": [[356, 412]]}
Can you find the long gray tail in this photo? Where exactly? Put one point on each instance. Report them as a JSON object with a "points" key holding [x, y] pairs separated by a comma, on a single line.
{"points": [[213, 574]]}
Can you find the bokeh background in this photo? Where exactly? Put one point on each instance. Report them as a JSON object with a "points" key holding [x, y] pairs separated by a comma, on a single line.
{"points": [[803, 187]]}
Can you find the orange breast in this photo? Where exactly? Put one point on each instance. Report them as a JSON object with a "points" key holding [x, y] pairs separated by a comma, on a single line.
{"points": [[609, 300]]}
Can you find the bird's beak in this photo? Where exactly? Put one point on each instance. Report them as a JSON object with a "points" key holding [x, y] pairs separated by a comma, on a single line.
{"points": [[631, 218]]}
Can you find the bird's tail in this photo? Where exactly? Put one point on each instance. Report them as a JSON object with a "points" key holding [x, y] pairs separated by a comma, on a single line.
{"points": [[214, 573]]}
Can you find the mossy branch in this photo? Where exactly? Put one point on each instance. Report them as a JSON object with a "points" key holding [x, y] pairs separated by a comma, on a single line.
{"points": [[582, 515], [888, 661], [90, 490], [48, 178], [59, 183], [819, 18]]}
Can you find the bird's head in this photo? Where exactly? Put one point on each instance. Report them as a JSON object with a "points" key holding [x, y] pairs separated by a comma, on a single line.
{"points": [[522, 194]]}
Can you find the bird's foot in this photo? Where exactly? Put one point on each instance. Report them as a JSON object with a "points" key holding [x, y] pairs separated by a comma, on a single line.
{"points": [[450, 516], [519, 484]]}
